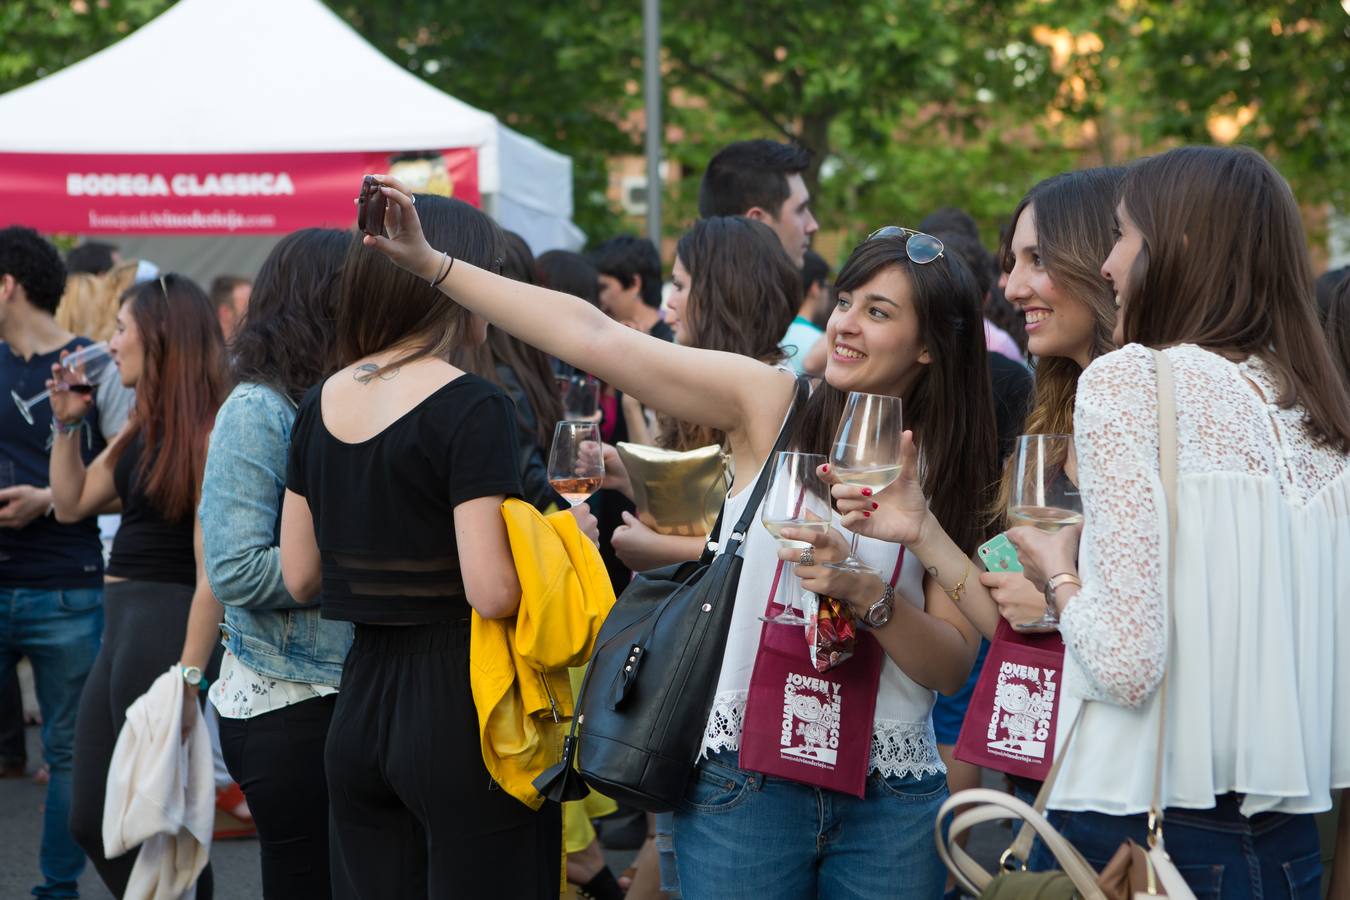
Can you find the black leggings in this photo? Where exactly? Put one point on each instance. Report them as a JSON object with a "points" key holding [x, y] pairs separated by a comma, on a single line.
{"points": [[415, 813], [143, 627], [277, 758]]}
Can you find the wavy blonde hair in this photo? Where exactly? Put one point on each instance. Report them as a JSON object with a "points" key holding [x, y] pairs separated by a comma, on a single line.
{"points": [[89, 304]]}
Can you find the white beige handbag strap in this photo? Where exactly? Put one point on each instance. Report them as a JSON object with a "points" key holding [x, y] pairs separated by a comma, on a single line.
{"points": [[991, 806], [1167, 459]]}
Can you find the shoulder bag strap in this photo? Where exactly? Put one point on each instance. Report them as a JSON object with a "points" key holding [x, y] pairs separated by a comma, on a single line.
{"points": [[1167, 459], [762, 482]]}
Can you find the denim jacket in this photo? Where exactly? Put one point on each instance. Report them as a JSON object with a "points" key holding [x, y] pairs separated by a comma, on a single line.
{"points": [[240, 513]]}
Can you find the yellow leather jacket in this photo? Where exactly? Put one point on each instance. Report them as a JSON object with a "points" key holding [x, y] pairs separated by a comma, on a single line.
{"points": [[518, 666]]}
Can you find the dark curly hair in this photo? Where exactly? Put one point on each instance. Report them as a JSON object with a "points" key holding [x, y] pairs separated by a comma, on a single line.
{"points": [[35, 264], [286, 338]]}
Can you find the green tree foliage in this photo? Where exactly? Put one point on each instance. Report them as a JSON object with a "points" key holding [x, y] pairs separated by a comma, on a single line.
{"points": [[906, 105]]}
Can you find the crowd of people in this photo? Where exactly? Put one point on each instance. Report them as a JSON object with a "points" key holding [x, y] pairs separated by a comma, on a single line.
{"points": [[333, 488]]}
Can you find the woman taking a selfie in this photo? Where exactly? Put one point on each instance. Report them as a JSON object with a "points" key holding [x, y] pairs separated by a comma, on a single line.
{"points": [[399, 463], [1210, 266], [168, 346], [907, 325]]}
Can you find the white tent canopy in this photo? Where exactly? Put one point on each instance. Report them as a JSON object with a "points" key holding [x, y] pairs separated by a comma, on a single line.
{"points": [[279, 76]]}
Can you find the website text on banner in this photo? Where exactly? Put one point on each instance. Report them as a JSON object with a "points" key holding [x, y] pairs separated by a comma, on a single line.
{"points": [[263, 193]]}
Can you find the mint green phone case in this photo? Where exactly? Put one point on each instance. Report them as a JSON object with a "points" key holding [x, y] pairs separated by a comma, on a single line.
{"points": [[999, 555]]}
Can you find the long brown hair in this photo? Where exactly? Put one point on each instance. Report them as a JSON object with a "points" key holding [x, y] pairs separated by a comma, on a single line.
{"points": [[531, 366], [1224, 265], [183, 382], [950, 406], [381, 305], [744, 293], [1075, 213]]}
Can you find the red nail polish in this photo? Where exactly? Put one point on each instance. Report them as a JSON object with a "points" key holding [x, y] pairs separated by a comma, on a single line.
{"points": [[825, 468], [875, 506], [867, 492], [866, 514]]}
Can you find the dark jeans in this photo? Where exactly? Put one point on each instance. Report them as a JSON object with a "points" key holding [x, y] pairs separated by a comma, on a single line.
{"points": [[13, 743], [415, 813], [58, 630], [1219, 852], [144, 625], [277, 758]]}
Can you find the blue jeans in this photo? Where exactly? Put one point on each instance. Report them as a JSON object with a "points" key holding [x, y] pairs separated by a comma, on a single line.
{"points": [[59, 631], [1218, 851], [742, 836]]}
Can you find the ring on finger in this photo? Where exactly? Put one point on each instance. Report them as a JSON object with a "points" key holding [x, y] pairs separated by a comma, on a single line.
{"points": [[808, 557]]}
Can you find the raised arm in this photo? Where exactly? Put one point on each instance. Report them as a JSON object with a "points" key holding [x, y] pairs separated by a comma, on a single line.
{"points": [[726, 391], [77, 492]]}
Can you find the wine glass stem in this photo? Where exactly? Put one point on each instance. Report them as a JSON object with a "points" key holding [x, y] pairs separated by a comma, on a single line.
{"points": [[853, 547], [790, 590]]}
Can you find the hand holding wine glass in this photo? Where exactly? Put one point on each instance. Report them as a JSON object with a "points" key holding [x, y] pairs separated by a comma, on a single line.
{"points": [[1044, 497], [576, 462], [795, 498], [866, 452], [71, 387], [896, 514]]}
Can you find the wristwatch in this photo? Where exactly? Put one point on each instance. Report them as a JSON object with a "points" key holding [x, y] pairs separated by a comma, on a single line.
{"points": [[1053, 582], [879, 613], [194, 677]]}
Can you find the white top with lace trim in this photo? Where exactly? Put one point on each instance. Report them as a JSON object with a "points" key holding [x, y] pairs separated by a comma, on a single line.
{"points": [[1259, 701], [242, 692], [903, 742]]}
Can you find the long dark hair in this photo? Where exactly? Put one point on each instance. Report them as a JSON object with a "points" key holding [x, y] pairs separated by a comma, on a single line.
{"points": [[743, 295], [1224, 265], [950, 406], [285, 340], [382, 305], [533, 370], [183, 382]]}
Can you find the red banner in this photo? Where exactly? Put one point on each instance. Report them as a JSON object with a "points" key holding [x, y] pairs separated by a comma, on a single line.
{"points": [[242, 193]]}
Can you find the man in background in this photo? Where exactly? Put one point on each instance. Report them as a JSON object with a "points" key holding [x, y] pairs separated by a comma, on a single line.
{"points": [[51, 573], [762, 180], [630, 284], [229, 295], [92, 257]]}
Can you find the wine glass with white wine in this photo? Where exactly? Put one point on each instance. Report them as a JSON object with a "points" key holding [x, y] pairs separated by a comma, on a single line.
{"points": [[796, 497], [1044, 493], [866, 453]]}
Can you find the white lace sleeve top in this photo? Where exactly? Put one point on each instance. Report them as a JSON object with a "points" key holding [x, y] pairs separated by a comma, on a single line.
{"points": [[1258, 698]]}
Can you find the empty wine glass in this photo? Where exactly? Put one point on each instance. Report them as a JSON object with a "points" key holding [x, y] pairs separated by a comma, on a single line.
{"points": [[796, 497], [866, 453], [580, 396], [576, 462], [81, 372], [1044, 494]]}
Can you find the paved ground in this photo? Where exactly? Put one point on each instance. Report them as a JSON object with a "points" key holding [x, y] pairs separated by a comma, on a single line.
{"points": [[235, 862]]}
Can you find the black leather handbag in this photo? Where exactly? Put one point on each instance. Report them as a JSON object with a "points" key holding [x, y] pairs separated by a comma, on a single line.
{"points": [[645, 699]]}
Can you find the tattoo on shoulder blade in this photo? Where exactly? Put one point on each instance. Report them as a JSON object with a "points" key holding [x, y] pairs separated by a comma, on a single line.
{"points": [[367, 371]]}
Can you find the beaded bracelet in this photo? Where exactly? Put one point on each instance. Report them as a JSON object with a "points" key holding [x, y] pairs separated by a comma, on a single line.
{"points": [[61, 429]]}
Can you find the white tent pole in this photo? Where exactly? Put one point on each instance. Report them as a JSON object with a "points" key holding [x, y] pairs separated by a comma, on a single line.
{"points": [[651, 66]]}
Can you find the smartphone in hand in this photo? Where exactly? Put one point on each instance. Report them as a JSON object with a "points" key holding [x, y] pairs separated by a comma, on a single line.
{"points": [[999, 555], [370, 207]]}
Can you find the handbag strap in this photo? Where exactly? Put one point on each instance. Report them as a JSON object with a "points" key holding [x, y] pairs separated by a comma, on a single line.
{"points": [[1167, 460], [711, 548]]}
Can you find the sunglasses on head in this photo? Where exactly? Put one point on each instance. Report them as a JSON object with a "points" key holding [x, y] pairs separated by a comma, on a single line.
{"points": [[919, 247]]}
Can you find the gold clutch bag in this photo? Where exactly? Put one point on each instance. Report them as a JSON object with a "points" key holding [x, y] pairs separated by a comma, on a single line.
{"points": [[676, 492]]}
